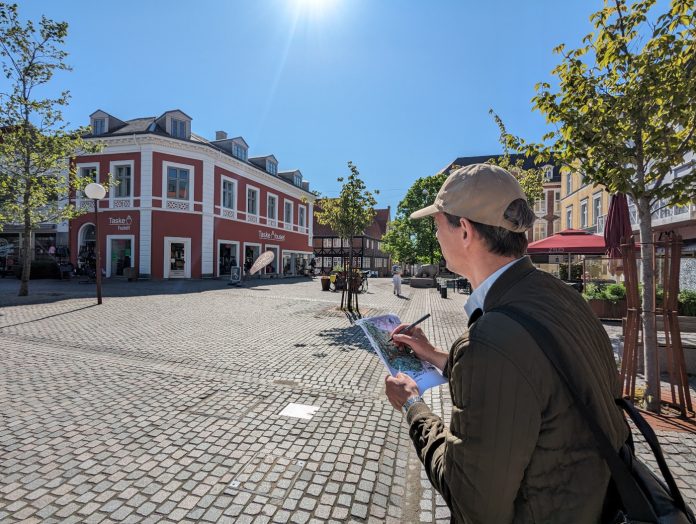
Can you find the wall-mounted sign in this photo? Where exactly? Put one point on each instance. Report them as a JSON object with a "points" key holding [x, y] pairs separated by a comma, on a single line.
{"points": [[123, 224], [270, 235]]}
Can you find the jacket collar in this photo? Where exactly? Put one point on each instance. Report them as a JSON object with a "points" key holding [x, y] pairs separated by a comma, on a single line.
{"points": [[508, 279]]}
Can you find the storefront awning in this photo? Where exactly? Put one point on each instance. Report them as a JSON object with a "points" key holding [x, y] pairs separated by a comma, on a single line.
{"points": [[570, 241]]}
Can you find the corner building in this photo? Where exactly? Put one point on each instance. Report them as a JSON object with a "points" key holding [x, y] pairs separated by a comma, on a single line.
{"points": [[187, 207]]}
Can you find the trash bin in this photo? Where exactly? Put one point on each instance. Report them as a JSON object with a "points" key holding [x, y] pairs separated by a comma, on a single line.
{"points": [[325, 283], [443, 291]]}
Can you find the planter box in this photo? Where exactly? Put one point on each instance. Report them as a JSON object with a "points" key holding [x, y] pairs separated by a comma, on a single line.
{"points": [[608, 309]]}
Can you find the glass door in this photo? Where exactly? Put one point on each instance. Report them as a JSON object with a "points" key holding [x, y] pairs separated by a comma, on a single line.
{"points": [[177, 260], [120, 256]]}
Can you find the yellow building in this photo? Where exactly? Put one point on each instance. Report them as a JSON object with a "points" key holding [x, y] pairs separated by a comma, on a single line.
{"points": [[583, 205]]}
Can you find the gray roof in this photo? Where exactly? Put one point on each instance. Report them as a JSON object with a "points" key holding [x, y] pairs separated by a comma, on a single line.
{"points": [[528, 163]]}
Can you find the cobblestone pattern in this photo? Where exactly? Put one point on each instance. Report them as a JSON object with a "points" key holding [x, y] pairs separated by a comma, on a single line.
{"points": [[162, 405]]}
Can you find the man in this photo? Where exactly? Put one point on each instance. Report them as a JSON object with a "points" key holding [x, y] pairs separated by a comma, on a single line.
{"points": [[516, 449]]}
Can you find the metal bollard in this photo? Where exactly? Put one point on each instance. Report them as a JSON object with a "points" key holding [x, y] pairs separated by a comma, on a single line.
{"points": [[443, 291]]}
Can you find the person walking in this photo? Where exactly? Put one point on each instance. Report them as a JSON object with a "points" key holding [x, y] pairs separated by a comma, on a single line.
{"points": [[396, 280], [516, 449]]}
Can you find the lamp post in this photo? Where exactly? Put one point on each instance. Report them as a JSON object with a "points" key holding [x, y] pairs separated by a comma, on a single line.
{"points": [[96, 192]]}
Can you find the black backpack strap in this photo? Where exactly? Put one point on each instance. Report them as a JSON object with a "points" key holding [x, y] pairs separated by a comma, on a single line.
{"points": [[654, 444], [634, 500]]}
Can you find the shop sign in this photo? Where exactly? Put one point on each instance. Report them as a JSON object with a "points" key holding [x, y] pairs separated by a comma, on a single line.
{"points": [[123, 224], [271, 235]]}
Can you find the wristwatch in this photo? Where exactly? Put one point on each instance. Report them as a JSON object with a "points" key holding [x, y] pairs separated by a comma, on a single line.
{"points": [[410, 402]]}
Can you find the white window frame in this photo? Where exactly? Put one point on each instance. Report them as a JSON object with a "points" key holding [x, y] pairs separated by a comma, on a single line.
{"points": [[240, 148], [80, 198], [540, 227], [168, 241], [584, 223], [302, 227], [288, 225], [569, 223], [228, 212], [217, 262], [272, 221], [252, 217], [192, 186], [278, 259], [119, 202], [595, 215], [94, 126], [244, 246], [297, 180], [569, 183]]}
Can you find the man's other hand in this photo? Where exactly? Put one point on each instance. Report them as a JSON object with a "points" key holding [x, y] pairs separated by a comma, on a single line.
{"points": [[399, 389]]}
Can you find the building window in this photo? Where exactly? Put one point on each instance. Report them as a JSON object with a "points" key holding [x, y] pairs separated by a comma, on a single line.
{"points": [[178, 128], [271, 167], [297, 180], [556, 225], [569, 183], [539, 229], [287, 214], [540, 206], [583, 214], [596, 208], [177, 183], [569, 217], [239, 151], [252, 201], [99, 127], [229, 194], [301, 216], [272, 208], [123, 177], [89, 172], [556, 200]]}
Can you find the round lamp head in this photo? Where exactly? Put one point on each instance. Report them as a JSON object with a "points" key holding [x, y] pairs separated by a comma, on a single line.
{"points": [[95, 191]]}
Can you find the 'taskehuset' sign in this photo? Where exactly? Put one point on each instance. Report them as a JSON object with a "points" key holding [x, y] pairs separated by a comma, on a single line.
{"points": [[123, 224], [270, 235]]}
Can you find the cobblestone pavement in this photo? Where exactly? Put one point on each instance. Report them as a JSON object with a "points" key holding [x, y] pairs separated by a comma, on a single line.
{"points": [[164, 403]]}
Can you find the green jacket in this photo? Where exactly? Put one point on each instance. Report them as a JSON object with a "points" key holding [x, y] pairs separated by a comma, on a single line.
{"points": [[516, 449]]}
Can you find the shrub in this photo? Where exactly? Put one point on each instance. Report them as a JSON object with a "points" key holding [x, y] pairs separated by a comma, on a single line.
{"points": [[592, 292], [615, 292], [687, 303]]}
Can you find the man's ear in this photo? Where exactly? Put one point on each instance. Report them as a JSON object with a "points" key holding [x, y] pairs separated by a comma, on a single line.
{"points": [[467, 229]]}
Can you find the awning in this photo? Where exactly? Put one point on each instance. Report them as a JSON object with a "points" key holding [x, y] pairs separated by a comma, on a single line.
{"points": [[571, 241]]}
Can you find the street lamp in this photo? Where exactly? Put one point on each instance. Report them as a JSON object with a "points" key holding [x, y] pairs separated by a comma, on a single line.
{"points": [[96, 192]]}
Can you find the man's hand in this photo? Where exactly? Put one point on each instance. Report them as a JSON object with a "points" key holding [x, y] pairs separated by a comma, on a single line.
{"points": [[420, 345], [399, 389]]}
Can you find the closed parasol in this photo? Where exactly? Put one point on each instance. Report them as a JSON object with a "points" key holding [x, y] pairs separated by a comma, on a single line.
{"points": [[617, 230]]}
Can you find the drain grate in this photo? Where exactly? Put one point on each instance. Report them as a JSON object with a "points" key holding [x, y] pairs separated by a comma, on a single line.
{"points": [[268, 475]]}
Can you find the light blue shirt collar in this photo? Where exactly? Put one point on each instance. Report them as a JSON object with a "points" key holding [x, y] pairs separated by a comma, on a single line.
{"points": [[478, 295]]}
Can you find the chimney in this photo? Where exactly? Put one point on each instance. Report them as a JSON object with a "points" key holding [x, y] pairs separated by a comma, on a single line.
{"points": [[220, 135], [305, 185]]}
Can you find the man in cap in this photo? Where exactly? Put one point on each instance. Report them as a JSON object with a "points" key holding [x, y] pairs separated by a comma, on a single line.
{"points": [[516, 450]]}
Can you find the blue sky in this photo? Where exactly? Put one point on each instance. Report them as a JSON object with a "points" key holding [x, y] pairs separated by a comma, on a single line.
{"points": [[399, 87]]}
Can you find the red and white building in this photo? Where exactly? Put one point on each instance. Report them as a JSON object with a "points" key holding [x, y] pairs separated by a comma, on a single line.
{"points": [[187, 207]]}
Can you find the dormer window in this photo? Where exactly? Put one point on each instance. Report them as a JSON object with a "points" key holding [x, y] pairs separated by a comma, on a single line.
{"points": [[178, 128], [99, 126], [239, 151], [271, 167], [297, 179]]}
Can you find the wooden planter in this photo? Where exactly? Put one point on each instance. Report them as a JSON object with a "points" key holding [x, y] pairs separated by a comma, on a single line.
{"points": [[607, 309]]}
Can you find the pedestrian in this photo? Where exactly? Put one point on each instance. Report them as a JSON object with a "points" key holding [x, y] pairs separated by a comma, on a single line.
{"points": [[516, 449], [396, 280]]}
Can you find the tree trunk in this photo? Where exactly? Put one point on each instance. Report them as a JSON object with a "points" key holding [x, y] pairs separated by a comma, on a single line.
{"points": [[652, 363], [26, 244], [349, 278]]}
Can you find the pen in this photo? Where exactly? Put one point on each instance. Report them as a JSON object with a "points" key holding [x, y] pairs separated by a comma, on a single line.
{"points": [[411, 326]]}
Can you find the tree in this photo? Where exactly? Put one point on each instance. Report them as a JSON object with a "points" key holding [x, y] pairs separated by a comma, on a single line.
{"points": [[413, 241], [624, 113], [348, 216], [35, 145]]}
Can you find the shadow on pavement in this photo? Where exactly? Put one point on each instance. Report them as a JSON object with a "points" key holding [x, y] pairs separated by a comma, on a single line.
{"points": [[48, 316]]}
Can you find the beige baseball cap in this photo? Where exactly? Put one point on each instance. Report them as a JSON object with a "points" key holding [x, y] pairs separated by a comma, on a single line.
{"points": [[479, 192]]}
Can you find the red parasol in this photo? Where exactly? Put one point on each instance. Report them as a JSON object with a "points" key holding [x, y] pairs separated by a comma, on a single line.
{"points": [[569, 241], [617, 229]]}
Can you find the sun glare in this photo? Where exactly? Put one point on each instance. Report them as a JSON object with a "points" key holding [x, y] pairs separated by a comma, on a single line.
{"points": [[314, 6]]}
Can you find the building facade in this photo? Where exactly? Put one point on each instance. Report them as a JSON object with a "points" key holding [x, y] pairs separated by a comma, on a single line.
{"points": [[331, 251], [187, 207], [584, 206]]}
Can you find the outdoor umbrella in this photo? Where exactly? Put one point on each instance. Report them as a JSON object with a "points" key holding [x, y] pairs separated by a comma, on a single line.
{"points": [[571, 241], [617, 230]]}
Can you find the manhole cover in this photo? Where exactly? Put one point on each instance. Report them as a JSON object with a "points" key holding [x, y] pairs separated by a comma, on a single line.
{"points": [[268, 475]]}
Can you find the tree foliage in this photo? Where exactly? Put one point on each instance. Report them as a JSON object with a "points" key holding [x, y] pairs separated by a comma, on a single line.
{"points": [[624, 114], [35, 144], [349, 214]]}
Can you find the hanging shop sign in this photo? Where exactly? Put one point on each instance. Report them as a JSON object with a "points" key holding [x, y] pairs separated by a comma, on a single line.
{"points": [[123, 224], [271, 235]]}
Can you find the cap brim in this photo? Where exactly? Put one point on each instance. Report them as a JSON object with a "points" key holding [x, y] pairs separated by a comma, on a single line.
{"points": [[425, 212]]}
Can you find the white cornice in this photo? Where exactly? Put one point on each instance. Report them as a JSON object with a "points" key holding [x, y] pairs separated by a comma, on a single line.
{"points": [[201, 152]]}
